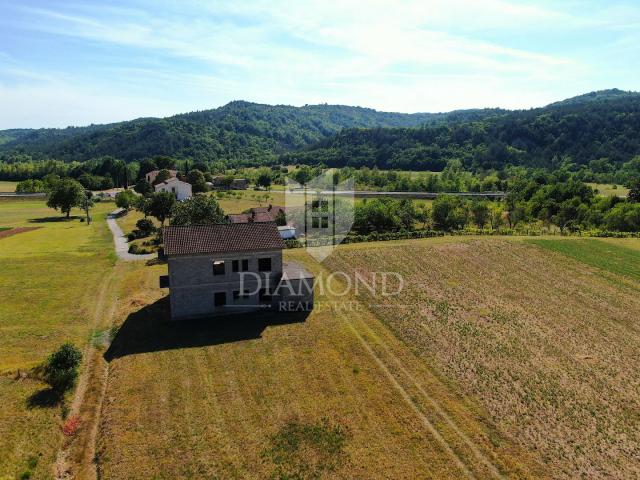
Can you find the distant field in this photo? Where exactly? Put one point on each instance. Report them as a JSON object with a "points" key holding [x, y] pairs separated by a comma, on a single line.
{"points": [[544, 343], [7, 187], [206, 399], [236, 201], [50, 283], [611, 256], [607, 190]]}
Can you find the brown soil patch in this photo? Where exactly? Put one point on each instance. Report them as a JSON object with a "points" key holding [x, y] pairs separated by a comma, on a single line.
{"points": [[16, 231]]}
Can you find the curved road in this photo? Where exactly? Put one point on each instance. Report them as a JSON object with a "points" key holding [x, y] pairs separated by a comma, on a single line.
{"points": [[120, 241]]}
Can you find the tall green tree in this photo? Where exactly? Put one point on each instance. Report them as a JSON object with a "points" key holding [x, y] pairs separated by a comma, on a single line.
{"points": [[161, 205], [197, 181], [198, 210], [65, 195]]}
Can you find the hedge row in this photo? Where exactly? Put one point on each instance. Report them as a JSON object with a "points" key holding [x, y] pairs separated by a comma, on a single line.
{"points": [[413, 234]]}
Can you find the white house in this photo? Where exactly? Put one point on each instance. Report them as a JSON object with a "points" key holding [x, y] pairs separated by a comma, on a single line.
{"points": [[182, 190]]}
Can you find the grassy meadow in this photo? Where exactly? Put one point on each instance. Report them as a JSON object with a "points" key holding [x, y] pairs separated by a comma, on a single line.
{"points": [[50, 283], [607, 190], [542, 340], [7, 187], [230, 399]]}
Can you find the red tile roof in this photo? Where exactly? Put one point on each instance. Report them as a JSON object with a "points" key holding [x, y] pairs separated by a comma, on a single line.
{"points": [[221, 238]]}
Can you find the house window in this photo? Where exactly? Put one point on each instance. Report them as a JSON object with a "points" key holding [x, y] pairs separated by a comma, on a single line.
{"points": [[173, 189], [218, 268], [315, 222], [240, 265], [220, 299], [264, 264], [325, 222]]}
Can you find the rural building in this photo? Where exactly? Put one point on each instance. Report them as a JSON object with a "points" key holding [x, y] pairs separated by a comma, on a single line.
{"points": [[220, 182], [151, 176], [231, 268], [287, 232], [182, 190], [258, 214]]}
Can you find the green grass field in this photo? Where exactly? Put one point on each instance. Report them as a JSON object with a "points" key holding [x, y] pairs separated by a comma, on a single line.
{"points": [[611, 256], [50, 284]]}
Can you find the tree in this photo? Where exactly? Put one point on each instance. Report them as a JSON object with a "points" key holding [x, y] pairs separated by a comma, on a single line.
{"points": [[162, 176], [281, 219], [143, 187], [198, 210], [147, 165], [86, 204], [624, 217], [65, 195], [164, 162], [126, 199], [264, 178], [449, 213], [376, 215], [496, 216], [197, 181], [143, 205], [481, 213], [161, 205], [61, 368], [634, 190]]}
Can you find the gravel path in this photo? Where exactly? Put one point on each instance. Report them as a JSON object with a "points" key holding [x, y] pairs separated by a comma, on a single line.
{"points": [[120, 241]]}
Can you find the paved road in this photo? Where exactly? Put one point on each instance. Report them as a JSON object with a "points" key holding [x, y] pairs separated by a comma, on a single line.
{"points": [[120, 241]]}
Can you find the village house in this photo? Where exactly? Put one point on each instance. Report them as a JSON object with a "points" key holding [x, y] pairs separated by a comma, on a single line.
{"points": [[151, 176], [258, 214], [182, 190], [231, 268], [219, 182]]}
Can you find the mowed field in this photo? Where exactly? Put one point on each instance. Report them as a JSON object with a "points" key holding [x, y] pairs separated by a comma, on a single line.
{"points": [[265, 397], [543, 335], [7, 187], [50, 288]]}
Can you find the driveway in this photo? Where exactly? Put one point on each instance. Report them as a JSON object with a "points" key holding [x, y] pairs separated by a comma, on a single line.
{"points": [[120, 241]]}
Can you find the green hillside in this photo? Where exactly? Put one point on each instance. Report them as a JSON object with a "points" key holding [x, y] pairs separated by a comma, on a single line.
{"points": [[601, 130]]}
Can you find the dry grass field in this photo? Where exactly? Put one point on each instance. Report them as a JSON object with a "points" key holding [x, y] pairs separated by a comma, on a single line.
{"points": [[50, 287], [7, 187], [234, 399], [606, 190], [545, 338]]}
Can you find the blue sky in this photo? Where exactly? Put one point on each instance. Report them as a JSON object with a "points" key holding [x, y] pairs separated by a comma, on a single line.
{"points": [[80, 62]]}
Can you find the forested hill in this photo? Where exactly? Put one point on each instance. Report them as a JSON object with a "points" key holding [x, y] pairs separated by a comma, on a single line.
{"points": [[240, 132], [601, 129]]}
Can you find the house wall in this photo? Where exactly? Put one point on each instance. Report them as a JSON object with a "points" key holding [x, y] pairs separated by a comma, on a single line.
{"points": [[182, 189], [193, 284]]}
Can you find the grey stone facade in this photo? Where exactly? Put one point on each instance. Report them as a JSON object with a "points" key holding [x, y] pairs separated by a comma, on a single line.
{"points": [[203, 285]]}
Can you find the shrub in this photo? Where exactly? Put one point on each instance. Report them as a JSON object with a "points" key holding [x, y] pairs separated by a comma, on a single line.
{"points": [[61, 368], [145, 226]]}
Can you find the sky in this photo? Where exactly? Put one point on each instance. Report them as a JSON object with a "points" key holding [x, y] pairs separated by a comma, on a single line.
{"points": [[81, 62]]}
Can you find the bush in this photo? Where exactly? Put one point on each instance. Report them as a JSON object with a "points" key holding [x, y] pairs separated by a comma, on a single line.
{"points": [[61, 369], [145, 226]]}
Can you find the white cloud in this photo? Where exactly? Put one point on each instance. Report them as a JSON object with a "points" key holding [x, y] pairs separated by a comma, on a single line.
{"points": [[406, 55]]}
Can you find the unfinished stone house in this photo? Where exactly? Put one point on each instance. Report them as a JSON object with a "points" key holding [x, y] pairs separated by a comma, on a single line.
{"points": [[231, 268]]}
